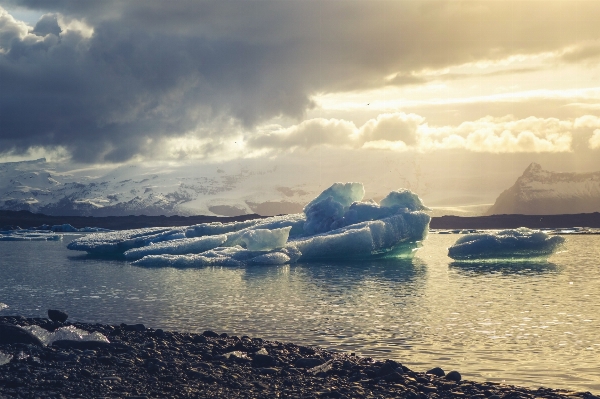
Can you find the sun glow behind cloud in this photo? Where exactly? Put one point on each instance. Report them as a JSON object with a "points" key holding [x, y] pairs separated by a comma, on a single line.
{"points": [[139, 81]]}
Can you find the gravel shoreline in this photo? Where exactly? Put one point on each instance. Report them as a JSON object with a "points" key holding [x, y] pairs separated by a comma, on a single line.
{"points": [[142, 362]]}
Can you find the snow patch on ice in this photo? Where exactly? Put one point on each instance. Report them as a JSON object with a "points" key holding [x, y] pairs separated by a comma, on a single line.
{"points": [[180, 246], [265, 239], [403, 198], [511, 243], [343, 193]]}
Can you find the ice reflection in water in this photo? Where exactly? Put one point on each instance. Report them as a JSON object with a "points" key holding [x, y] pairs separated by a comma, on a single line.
{"points": [[526, 323], [505, 267]]}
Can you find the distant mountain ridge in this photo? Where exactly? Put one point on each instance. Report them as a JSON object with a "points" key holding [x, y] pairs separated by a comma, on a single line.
{"points": [[153, 190], [543, 192]]}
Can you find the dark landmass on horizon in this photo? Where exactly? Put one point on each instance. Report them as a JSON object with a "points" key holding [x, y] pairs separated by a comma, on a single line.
{"points": [[26, 219]]}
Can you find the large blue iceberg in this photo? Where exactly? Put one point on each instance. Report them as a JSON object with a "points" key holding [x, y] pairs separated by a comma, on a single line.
{"points": [[335, 225], [518, 243]]}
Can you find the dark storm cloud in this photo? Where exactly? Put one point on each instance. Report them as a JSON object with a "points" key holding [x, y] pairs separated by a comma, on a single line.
{"points": [[155, 69], [47, 25]]}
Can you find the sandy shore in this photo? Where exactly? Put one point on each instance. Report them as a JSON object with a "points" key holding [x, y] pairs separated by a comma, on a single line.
{"points": [[142, 362]]}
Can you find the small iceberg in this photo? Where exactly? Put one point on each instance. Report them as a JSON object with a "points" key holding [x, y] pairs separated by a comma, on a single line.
{"points": [[521, 243], [337, 224], [29, 235], [70, 333]]}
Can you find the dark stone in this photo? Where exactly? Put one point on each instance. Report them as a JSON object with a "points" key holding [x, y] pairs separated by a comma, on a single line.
{"points": [[394, 377], [308, 362], [133, 327], [268, 371], [210, 334], [57, 316], [81, 345], [263, 361], [437, 371], [428, 388], [159, 333], [388, 367], [453, 376], [10, 334]]}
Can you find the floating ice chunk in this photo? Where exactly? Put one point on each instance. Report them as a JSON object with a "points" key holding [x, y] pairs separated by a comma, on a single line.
{"points": [[3, 306], [512, 243], [64, 333], [367, 239], [208, 229], [276, 258], [265, 239], [63, 228], [362, 212], [26, 235], [5, 358], [117, 242], [295, 221], [177, 247], [223, 256], [403, 198], [320, 216], [344, 193], [333, 226], [93, 230]]}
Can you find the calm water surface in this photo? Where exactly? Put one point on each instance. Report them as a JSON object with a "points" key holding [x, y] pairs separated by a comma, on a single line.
{"points": [[533, 324]]}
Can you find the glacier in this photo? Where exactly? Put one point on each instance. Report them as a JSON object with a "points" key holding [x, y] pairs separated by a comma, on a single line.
{"points": [[521, 243], [337, 224]]}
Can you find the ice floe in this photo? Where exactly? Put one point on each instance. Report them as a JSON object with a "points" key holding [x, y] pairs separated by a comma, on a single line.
{"points": [[43, 233], [505, 244], [29, 235], [335, 225], [64, 333], [5, 358]]}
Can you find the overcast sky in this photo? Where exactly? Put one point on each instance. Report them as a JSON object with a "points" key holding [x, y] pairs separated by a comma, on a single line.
{"points": [[96, 82]]}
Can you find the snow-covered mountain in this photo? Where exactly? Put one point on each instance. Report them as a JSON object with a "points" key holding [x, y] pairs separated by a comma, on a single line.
{"points": [[542, 192], [39, 186]]}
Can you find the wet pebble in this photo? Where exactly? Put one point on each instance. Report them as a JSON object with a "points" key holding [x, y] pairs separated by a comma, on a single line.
{"points": [[146, 363]]}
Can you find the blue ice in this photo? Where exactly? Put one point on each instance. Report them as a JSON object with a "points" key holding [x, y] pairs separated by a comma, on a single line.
{"points": [[505, 244], [335, 225]]}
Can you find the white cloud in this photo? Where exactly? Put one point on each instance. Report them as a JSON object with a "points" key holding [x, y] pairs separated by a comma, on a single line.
{"points": [[594, 141], [500, 135], [587, 121], [401, 132]]}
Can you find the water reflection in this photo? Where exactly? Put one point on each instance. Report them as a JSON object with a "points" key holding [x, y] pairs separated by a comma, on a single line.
{"points": [[505, 267], [532, 323], [348, 273]]}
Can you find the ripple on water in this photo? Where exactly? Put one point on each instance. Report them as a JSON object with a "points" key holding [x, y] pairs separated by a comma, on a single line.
{"points": [[532, 323]]}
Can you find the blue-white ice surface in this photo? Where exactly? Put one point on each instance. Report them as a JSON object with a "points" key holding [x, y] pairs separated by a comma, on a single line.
{"points": [[45, 233], [335, 225], [29, 235], [505, 244]]}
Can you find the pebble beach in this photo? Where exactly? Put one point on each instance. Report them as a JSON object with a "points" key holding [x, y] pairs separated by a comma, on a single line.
{"points": [[140, 362]]}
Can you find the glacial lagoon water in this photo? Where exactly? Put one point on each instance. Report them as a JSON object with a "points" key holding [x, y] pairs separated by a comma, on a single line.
{"points": [[530, 323]]}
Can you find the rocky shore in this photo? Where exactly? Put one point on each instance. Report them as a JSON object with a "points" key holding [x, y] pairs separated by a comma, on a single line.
{"points": [[141, 362]]}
